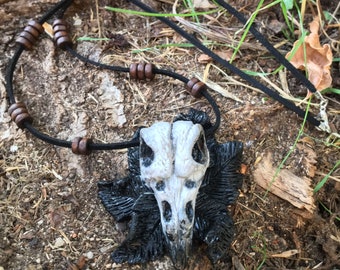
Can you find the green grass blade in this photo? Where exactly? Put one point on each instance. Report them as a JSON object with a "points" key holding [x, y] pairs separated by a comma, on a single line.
{"points": [[92, 39], [324, 180]]}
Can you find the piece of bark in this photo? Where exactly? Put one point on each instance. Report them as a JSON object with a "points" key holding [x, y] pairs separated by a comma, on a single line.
{"points": [[296, 190]]}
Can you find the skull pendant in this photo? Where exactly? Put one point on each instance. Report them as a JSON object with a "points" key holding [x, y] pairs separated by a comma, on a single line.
{"points": [[179, 185]]}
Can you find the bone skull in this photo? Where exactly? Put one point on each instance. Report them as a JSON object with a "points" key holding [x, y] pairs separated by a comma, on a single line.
{"points": [[173, 161], [179, 185]]}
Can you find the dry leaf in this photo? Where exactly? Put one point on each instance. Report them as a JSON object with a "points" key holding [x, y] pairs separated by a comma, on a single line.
{"points": [[318, 58], [204, 59], [204, 4], [226, 54], [286, 185]]}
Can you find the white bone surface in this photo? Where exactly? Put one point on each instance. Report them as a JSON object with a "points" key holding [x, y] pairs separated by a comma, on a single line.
{"points": [[172, 163]]}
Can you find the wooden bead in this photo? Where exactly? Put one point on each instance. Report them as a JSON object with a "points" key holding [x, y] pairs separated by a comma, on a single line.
{"points": [[80, 146], [61, 34], [19, 114], [195, 87], [30, 35], [148, 70], [142, 71]]}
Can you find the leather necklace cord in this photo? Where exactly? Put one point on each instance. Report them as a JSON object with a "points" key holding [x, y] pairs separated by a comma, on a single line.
{"points": [[19, 112], [309, 117]]}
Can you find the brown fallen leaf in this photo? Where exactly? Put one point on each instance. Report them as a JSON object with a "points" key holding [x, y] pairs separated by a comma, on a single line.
{"points": [[314, 58], [204, 59], [296, 190], [225, 54]]}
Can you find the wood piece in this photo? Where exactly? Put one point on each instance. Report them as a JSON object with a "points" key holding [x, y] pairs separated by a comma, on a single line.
{"points": [[296, 190]]}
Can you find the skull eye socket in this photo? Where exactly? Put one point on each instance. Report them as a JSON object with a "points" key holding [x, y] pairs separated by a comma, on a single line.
{"points": [[166, 211], [198, 152], [146, 154], [190, 184], [160, 185], [189, 211]]}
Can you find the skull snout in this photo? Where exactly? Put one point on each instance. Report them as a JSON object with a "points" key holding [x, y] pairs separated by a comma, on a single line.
{"points": [[177, 227], [180, 226]]}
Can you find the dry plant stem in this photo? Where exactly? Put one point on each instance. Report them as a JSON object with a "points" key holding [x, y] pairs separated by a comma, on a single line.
{"points": [[303, 9], [233, 81], [337, 179], [215, 86], [334, 13], [215, 33], [98, 20], [334, 43]]}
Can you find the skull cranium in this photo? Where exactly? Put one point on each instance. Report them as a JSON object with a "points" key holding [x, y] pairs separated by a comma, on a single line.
{"points": [[173, 160]]}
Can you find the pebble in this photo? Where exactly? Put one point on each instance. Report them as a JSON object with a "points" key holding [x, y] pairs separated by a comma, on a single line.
{"points": [[89, 255]]}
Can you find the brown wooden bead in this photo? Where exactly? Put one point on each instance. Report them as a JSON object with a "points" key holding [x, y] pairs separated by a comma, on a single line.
{"points": [[133, 71], [141, 71], [148, 71], [195, 87], [61, 35], [37, 26], [19, 114], [30, 35], [26, 43], [80, 146]]}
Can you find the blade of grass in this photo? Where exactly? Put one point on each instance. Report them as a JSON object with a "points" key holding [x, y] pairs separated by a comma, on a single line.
{"points": [[324, 180], [190, 5], [92, 39], [285, 6], [329, 211], [250, 23], [331, 90]]}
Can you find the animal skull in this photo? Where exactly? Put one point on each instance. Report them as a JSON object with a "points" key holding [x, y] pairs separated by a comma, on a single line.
{"points": [[173, 160]]}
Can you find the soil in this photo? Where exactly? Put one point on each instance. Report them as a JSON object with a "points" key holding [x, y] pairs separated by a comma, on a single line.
{"points": [[50, 215]]}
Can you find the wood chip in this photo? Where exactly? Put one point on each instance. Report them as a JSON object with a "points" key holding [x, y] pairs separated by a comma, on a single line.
{"points": [[287, 186], [285, 254]]}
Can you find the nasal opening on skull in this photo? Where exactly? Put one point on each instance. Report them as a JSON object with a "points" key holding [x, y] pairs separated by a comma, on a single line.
{"points": [[199, 151], [167, 213], [147, 155], [189, 211]]}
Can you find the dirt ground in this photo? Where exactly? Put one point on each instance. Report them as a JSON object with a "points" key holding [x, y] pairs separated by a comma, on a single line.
{"points": [[50, 216]]}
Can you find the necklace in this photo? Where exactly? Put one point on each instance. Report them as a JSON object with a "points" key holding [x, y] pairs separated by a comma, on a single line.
{"points": [[138, 71]]}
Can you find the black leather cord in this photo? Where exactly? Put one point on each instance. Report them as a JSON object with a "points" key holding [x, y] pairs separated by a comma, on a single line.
{"points": [[59, 10]]}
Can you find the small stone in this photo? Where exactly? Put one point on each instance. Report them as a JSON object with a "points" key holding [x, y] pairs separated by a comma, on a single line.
{"points": [[13, 149], [89, 255], [59, 242]]}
